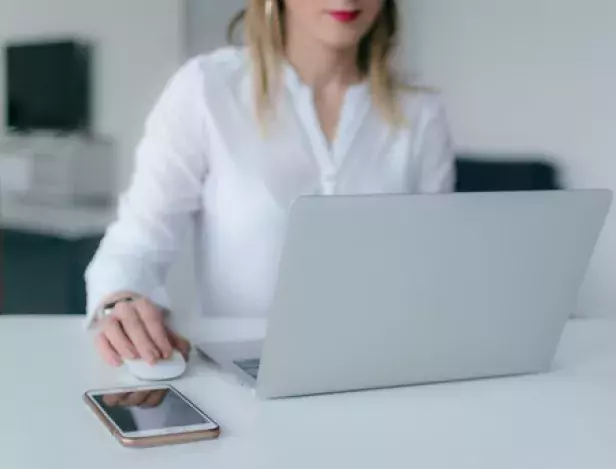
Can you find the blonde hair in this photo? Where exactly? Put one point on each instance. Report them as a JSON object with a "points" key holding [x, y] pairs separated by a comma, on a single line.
{"points": [[265, 37]]}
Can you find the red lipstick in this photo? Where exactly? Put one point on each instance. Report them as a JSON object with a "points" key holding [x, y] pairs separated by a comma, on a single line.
{"points": [[345, 16]]}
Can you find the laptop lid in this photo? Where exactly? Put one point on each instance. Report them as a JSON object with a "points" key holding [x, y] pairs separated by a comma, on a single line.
{"points": [[380, 291]]}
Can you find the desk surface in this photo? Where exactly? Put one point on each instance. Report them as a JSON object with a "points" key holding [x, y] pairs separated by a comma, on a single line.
{"points": [[562, 420]]}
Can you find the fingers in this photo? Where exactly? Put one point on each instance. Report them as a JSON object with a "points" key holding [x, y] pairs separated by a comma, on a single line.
{"points": [[107, 351], [119, 340], [135, 399], [153, 319], [136, 333], [155, 398], [112, 400], [180, 343], [147, 399], [135, 330]]}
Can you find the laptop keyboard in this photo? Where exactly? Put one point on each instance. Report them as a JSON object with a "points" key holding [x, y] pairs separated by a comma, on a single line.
{"points": [[250, 367]]}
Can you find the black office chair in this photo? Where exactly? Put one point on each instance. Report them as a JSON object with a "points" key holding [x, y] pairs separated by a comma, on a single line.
{"points": [[477, 173]]}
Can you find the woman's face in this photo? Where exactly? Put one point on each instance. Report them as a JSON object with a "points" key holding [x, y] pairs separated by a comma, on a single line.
{"points": [[338, 24]]}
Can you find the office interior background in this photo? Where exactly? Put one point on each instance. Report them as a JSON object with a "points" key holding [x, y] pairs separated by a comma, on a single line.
{"points": [[522, 80]]}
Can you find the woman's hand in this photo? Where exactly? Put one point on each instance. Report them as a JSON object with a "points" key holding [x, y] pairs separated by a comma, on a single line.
{"points": [[135, 330], [142, 399]]}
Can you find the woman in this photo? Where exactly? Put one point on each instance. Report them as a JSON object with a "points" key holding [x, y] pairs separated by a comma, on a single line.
{"points": [[311, 106]]}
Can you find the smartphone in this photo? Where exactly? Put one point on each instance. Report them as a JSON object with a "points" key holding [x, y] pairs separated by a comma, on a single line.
{"points": [[147, 416]]}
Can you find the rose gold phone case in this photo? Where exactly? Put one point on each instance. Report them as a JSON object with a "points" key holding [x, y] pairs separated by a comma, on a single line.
{"points": [[162, 440]]}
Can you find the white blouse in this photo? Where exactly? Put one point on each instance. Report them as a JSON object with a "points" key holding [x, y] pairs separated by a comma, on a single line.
{"points": [[206, 164]]}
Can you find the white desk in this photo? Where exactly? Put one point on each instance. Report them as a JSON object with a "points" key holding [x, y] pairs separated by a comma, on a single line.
{"points": [[564, 420]]}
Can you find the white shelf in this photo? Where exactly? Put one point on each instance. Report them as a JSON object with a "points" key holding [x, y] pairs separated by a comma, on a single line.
{"points": [[66, 222], [71, 168]]}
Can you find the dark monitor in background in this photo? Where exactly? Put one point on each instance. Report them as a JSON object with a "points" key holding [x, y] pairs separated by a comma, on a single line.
{"points": [[48, 86]]}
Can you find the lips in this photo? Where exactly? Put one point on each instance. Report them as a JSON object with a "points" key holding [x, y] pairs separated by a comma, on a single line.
{"points": [[345, 16]]}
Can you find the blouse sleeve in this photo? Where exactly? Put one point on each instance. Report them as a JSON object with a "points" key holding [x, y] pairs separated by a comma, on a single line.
{"points": [[435, 153], [162, 199]]}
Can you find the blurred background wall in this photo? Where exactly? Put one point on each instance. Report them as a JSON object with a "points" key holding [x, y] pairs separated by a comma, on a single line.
{"points": [[530, 76], [138, 44]]}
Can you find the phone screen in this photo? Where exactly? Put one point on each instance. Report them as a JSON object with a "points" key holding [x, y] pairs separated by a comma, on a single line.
{"points": [[149, 409]]}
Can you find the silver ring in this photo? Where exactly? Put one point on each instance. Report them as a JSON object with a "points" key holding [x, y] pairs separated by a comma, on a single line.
{"points": [[269, 9]]}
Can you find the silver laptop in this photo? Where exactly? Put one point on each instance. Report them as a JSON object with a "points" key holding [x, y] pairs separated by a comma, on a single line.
{"points": [[383, 291]]}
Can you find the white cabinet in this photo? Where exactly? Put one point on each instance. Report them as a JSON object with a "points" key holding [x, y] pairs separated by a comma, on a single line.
{"points": [[66, 169]]}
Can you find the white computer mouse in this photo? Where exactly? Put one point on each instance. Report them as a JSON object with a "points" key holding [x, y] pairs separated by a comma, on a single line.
{"points": [[164, 370]]}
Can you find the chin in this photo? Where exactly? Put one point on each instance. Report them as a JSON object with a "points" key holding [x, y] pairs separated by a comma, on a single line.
{"points": [[342, 41]]}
